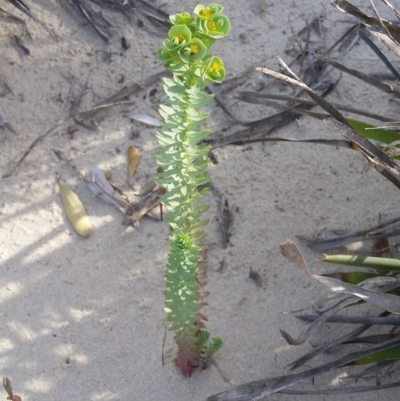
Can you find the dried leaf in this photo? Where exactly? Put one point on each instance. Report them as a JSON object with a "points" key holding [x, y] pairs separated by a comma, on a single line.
{"points": [[99, 186], [143, 118], [290, 251], [133, 159]]}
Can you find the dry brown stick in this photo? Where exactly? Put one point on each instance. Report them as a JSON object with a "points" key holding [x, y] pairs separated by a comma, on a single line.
{"points": [[113, 100], [135, 87], [40, 138], [82, 117], [97, 21], [142, 207], [30, 148]]}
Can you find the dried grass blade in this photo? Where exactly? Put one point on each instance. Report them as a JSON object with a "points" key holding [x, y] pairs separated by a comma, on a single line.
{"points": [[371, 369], [250, 391], [152, 12], [298, 82], [259, 127], [349, 39], [264, 126], [83, 118], [17, 20], [26, 10], [364, 77], [352, 237], [35, 142], [329, 346], [312, 328], [259, 98], [380, 160], [108, 102], [219, 102], [392, 8], [385, 26], [96, 20], [391, 44], [364, 36], [387, 302], [133, 88], [348, 390], [354, 319], [373, 339], [329, 142]]}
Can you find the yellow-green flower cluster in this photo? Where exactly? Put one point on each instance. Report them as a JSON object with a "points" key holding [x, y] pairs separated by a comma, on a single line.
{"points": [[186, 51]]}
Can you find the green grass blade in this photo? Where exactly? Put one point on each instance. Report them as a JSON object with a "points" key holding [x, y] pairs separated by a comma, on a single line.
{"points": [[369, 262], [352, 277], [376, 134], [390, 354]]}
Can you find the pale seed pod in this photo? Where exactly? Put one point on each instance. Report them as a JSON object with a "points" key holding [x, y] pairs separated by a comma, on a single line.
{"points": [[75, 210], [133, 159]]}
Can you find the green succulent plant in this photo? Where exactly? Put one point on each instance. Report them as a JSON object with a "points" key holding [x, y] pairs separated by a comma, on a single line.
{"points": [[184, 159]]}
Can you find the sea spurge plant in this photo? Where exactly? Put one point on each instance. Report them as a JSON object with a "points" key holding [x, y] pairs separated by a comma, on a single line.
{"points": [[183, 160]]}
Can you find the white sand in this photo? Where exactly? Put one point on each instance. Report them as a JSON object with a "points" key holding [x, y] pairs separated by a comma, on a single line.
{"points": [[82, 319]]}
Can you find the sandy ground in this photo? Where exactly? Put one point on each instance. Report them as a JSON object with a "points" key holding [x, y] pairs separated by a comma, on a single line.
{"points": [[83, 319]]}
